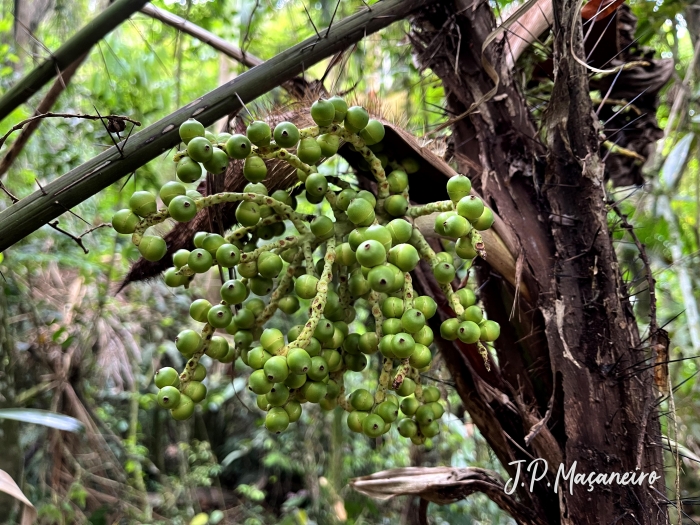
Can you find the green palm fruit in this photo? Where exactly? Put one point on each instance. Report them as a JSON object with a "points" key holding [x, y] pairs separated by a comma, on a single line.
{"points": [[371, 253], [373, 132], [277, 420], [355, 363], [464, 248], [259, 133], [400, 231], [421, 356], [396, 205], [319, 368], [218, 347], [258, 382], [219, 316], [378, 233], [361, 212], [391, 326], [381, 279], [407, 388], [410, 165], [180, 258], [314, 391], [295, 380], [456, 226], [368, 196], [184, 409], [409, 405], [373, 425], [329, 144], [470, 207], [143, 203], [199, 310], [256, 306], [289, 304], [222, 137], [355, 420], [248, 269], [404, 256], [238, 146], [323, 112], [272, 340], [309, 151], [356, 237], [188, 170], [190, 129], [248, 213], [218, 162], [305, 286], [430, 394], [490, 331], [361, 399], [413, 320], [358, 285], [210, 137], [243, 338], [402, 345], [398, 181], [388, 411], [257, 357], [270, 266], [473, 314], [167, 376], [449, 329], [368, 343], [386, 346], [356, 119], [341, 108], [485, 221], [431, 430], [425, 415], [261, 401], [299, 361], [244, 318], [344, 198], [424, 336], [278, 395], [344, 255], [333, 358], [254, 169], [444, 273], [466, 297], [182, 208], [200, 260], [425, 304], [293, 409], [125, 221], [172, 279], [200, 149], [196, 391], [188, 342], [316, 185], [440, 218], [152, 248], [227, 255], [198, 239], [286, 135], [233, 292], [194, 194], [322, 227], [351, 344], [324, 330], [407, 428], [392, 307], [276, 369], [458, 187], [171, 189]]}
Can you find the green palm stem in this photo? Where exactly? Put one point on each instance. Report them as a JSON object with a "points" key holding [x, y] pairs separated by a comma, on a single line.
{"points": [[287, 242], [318, 303], [188, 372], [427, 253], [427, 209]]}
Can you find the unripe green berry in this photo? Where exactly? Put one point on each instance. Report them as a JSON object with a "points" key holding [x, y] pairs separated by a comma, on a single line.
{"points": [[490, 331], [444, 273], [381, 279], [188, 342], [196, 391], [293, 409], [341, 108], [409, 406], [190, 129], [258, 382], [424, 336], [314, 391], [470, 207], [398, 181], [171, 189], [329, 144], [152, 248], [473, 314], [361, 399], [356, 119], [373, 425], [200, 260], [199, 310], [458, 187], [286, 135], [371, 253], [400, 231], [316, 185], [322, 227], [449, 329], [143, 203], [259, 133], [227, 255], [277, 420], [172, 279], [200, 149], [254, 169], [188, 170], [238, 146], [218, 162], [323, 112], [289, 304], [421, 356], [219, 316], [319, 368], [402, 345], [407, 388], [391, 326], [218, 347], [373, 132], [396, 205], [306, 286], [407, 428], [248, 213], [456, 226], [412, 320], [465, 249], [404, 256], [278, 395], [344, 198], [167, 376], [184, 409], [182, 208], [260, 286], [392, 307], [485, 221], [125, 221]]}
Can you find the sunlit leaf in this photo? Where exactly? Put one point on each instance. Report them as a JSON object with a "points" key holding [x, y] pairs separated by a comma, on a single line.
{"points": [[676, 160]]}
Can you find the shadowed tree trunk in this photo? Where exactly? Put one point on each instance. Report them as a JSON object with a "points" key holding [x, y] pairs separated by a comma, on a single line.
{"points": [[562, 389]]}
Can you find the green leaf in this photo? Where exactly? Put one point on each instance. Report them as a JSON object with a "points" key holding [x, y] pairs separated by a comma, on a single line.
{"points": [[676, 161], [42, 417]]}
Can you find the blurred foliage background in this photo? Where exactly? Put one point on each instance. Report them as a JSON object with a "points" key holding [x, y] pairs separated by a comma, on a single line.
{"points": [[71, 344]]}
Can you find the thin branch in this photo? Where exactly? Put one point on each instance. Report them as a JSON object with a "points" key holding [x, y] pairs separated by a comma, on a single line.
{"points": [[115, 123]]}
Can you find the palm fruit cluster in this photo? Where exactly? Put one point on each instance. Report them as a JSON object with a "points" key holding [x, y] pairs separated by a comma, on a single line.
{"points": [[365, 252]]}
